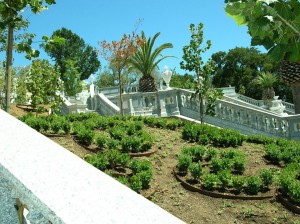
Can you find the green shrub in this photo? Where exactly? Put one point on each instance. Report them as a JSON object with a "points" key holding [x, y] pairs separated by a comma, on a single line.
{"points": [[146, 140], [196, 170], [101, 140], [260, 139], [136, 183], [59, 124], [289, 181], [184, 161], [76, 127], [211, 153], [216, 165], [273, 153], [117, 132], [145, 177], [85, 136], [203, 140], [238, 183], [227, 138], [253, 185], [114, 158], [138, 166], [225, 178], [173, 123], [210, 181], [112, 143], [101, 162], [190, 132], [294, 191], [266, 176], [239, 164], [136, 143], [37, 123]]}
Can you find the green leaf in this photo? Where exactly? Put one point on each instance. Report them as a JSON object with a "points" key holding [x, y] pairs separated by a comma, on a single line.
{"points": [[295, 52], [296, 23], [278, 52]]}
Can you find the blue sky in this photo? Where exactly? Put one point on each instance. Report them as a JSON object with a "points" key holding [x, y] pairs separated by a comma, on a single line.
{"points": [[96, 20]]}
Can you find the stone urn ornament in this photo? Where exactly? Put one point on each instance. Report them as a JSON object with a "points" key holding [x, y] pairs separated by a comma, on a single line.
{"points": [[167, 74]]}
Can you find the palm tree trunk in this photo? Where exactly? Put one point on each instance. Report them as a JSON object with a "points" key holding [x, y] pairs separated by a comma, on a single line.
{"points": [[296, 96]]}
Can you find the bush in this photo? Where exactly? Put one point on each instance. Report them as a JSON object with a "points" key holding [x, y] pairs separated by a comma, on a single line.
{"points": [[37, 123], [136, 183], [196, 170], [85, 136], [197, 152], [225, 178], [266, 177], [123, 180], [59, 124], [273, 153], [260, 139], [101, 140], [239, 164], [203, 140], [114, 158], [117, 132], [211, 182], [98, 161], [138, 166], [145, 177], [238, 183], [184, 161], [190, 132], [211, 153], [112, 143], [253, 185]]}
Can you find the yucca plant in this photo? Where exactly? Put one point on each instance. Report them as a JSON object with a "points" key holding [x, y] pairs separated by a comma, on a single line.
{"points": [[145, 60]]}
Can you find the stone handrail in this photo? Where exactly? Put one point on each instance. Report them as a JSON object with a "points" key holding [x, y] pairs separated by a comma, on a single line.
{"points": [[57, 186], [105, 106], [289, 107], [259, 103], [245, 119]]}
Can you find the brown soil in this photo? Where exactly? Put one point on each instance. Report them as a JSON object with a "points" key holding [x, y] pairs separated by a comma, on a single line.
{"points": [[192, 207]]}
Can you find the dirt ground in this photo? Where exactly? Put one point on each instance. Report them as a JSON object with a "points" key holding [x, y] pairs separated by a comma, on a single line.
{"points": [[193, 207]]}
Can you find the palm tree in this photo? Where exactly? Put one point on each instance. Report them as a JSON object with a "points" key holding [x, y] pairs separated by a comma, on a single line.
{"points": [[267, 80], [145, 61], [290, 73]]}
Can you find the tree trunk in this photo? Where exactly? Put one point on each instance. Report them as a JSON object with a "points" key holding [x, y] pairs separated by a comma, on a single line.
{"points": [[8, 67], [296, 96], [120, 94], [201, 104]]}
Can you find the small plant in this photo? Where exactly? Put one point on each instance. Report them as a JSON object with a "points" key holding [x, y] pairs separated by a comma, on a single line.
{"points": [[117, 132], [136, 183], [253, 185], [216, 165], [138, 166], [238, 183], [211, 153], [145, 177], [196, 170], [266, 177], [101, 140], [184, 161], [203, 140], [239, 164], [123, 180], [211, 181], [225, 177], [114, 158], [85, 136], [112, 143], [273, 153]]}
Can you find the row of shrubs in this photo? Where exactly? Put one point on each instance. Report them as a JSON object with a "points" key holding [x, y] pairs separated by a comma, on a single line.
{"points": [[220, 169], [141, 170], [205, 134], [47, 124]]}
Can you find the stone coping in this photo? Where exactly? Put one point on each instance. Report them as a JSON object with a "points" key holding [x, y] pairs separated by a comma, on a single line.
{"points": [[63, 187]]}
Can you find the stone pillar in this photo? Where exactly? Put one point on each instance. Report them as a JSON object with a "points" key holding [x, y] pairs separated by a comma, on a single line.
{"points": [[162, 105]]}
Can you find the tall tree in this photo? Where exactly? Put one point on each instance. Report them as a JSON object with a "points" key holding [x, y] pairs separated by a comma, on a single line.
{"points": [[73, 48], [193, 62], [118, 53], [11, 17], [274, 24], [146, 61], [239, 67]]}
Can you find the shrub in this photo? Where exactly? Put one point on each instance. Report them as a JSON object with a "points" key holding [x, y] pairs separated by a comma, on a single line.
{"points": [[138, 166], [184, 161], [189, 132], [146, 141], [260, 139], [294, 190], [85, 136], [211, 153], [101, 140], [37, 123], [197, 152], [112, 143], [289, 181], [266, 177], [211, 181], [196, 170], [239, 164], [114, 158], [59, 124], [253, 185], [173, 123], [117, 132], [227, 138], [225, 178], [136, 143], [273, 153], [136, 183], [238, 183], [216, 165], [101, 162], [76, 127], [203, 140], [145, 177]]}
